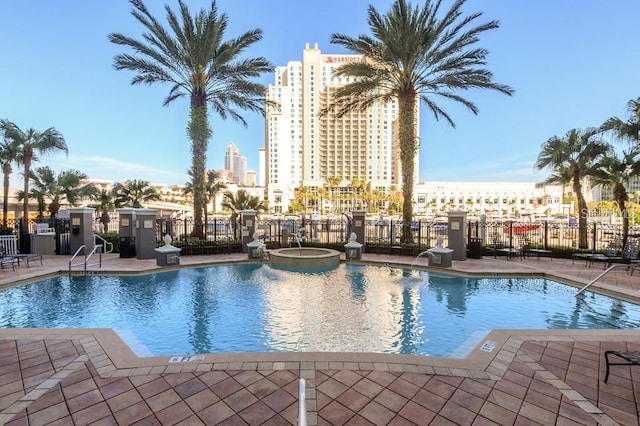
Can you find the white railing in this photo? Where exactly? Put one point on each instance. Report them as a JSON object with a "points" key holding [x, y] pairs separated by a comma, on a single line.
{"points": [[10, 243]]}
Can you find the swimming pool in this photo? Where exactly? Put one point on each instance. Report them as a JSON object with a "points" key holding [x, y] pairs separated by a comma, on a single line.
{"points": [[252, 307]]}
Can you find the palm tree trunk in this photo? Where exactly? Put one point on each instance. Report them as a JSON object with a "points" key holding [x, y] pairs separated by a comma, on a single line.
{"points": [[408, 146], [620, 196], [199, 133], [25, 196], [6, 170], [582, 216]]}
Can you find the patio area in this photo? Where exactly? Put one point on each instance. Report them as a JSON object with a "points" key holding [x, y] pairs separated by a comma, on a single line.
{"points": [[63, 376]]}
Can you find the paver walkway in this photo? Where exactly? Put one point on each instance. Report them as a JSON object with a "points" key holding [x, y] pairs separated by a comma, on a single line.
{"points": [[78, 377]]}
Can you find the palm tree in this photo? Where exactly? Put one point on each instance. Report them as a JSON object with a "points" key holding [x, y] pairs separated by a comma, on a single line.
{"points": [[213, 186], [302, 196], [570, 159], [193, 57], [71, 186], [242, 200], [132, 193], [322, 195], [415, 54], [68, 186], [394, 197], [614, 171], [626, 130], [31, 143], [333, 182], [9, 154], [104, 201]]}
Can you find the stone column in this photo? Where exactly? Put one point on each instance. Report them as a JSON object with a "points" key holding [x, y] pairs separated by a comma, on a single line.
{"points": [[456, 233], [248, 221], [127, 232], [81, 229], [358, 226], [145, 233]]}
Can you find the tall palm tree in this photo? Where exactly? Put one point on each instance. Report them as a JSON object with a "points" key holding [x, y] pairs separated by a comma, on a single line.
{"points": [[132, 193], [614, 170], [570, 159], [9, 154], [32, 143], [415, 54], [195, 59]]}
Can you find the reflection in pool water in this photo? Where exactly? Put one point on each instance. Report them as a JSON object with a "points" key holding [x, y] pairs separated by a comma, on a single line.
{"points": [[355, 308]]}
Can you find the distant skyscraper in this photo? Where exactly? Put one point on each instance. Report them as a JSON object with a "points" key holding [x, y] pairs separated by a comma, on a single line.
{"points": [[236, 163], [303, 148]]}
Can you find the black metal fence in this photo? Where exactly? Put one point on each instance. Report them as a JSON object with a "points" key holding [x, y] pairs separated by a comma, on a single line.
{"points": [[381, 235]]}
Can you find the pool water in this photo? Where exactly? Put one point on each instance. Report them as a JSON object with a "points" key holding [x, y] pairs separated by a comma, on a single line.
{"points": [[353, 308]]}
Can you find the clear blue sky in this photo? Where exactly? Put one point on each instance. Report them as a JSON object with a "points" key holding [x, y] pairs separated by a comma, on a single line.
{"points": [[572, 63]]}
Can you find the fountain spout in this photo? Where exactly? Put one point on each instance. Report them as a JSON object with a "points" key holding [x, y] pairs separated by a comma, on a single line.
{"points": [[297, 237]]}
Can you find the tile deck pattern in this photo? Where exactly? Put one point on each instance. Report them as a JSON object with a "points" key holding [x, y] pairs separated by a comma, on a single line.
{"points": [[81, 377]]}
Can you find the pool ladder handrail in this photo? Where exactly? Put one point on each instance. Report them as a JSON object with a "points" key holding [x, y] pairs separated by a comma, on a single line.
{"points": [[302, 403], [104, 243], [85, 264], [605, 272]]}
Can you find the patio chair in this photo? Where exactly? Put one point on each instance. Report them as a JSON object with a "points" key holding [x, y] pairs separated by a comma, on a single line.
{"points": [[630, 358]]}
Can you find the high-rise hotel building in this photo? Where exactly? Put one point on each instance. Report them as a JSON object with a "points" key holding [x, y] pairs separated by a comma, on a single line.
{"points": [[304, 148]]}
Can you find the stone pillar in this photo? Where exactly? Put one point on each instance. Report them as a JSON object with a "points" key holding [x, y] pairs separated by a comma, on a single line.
{"points": [[81, 228], [456, 233], [358, 226], [248, 221], [145, 225], [127, 232]]}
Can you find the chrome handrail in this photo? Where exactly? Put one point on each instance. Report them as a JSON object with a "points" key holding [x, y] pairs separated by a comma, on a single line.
{"points": [[74, 256], [84, 264], [302, 404]]}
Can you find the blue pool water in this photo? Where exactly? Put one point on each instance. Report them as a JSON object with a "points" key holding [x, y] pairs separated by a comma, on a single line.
{"points": [[353, 308]]}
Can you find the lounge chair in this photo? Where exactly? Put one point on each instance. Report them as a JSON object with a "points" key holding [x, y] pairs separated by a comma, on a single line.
{"points": [[630, 358], [629, 253], [527, 250], [7, 260], [612, 249]]}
